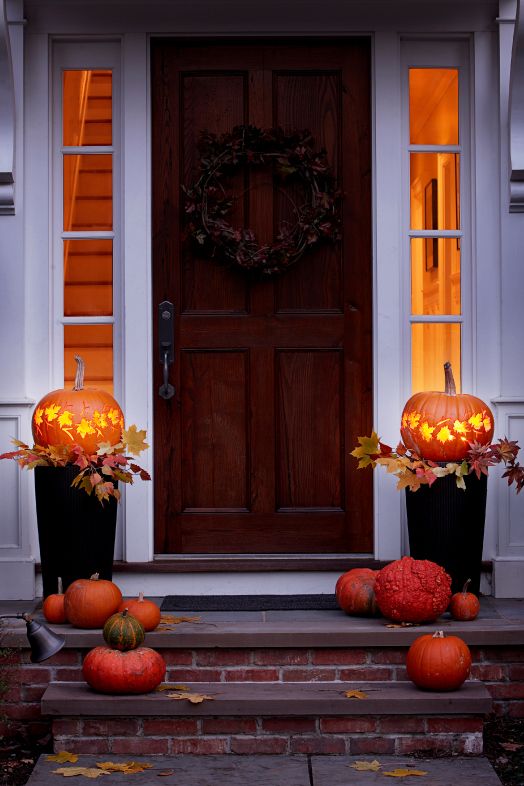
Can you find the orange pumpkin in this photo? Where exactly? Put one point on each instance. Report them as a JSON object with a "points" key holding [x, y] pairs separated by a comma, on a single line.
{"points": [[83, 416], [53, 606], [90, 602], [464, 605], [439, 426], [145, 611], [355, 592], [134, 671], [438, 662]]}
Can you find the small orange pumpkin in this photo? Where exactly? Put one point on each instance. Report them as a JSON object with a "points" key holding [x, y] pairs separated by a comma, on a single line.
{"points": [[438, 662], [464, 605], [145, 611], [355, 592], [90, 602], [83, 416], [439, 426], [53, 606]]}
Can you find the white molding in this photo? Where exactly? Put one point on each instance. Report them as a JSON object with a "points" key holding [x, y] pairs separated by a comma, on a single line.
{"points": [[516, 116]]}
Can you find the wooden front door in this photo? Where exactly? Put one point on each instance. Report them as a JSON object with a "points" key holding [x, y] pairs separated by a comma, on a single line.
{"points": [[273, 377]]}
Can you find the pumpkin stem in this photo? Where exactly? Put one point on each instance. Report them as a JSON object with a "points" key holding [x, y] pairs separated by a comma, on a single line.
{"points": [[140, 596], [124, 612], [439, 634], [94, 577], [449, 381], [79, 375], [465, 587], [60, 586]]}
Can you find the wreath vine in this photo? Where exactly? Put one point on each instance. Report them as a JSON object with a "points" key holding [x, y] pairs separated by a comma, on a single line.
{"points": [[292, 156]]}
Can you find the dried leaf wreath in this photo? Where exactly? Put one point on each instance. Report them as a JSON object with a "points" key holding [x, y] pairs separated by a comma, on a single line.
{"points": [[208, 204]]}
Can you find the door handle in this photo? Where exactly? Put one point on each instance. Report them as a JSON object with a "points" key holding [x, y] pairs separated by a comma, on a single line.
{"points": [[166, 318]]}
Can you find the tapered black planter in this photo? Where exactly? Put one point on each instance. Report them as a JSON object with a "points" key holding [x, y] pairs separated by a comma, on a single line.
{"points": [[446, 526], [76, 533]]}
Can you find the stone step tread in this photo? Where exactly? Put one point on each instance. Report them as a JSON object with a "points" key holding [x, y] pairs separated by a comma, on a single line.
{"points": [[283, 699], [277, 770]]}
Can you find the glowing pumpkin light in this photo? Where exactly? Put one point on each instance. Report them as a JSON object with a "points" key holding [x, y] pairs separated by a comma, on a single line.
{"points": [[82, 416], [440, 425]]}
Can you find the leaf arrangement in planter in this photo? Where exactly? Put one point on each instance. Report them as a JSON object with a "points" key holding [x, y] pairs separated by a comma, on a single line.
{"points": [[84, 427], [443, 434]]}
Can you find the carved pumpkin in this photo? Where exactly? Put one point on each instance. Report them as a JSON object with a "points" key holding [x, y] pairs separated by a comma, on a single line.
{"points": [[145, 611], [53, 606], [90, 602], [123, 632], [438, 662], [412, 590], [112, 671], [82, 416], [355, 592], [439, 426], [464, 605]]}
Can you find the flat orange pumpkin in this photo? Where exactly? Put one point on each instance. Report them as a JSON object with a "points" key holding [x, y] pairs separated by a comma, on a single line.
{"points": [[81, 416], [439, 426]]}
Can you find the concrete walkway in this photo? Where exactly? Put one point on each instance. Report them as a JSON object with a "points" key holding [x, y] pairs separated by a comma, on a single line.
{"points": [[277, 771]]}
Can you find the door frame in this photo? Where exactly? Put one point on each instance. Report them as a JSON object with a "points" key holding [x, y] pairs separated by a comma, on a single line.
{"points": [[388, 356]]}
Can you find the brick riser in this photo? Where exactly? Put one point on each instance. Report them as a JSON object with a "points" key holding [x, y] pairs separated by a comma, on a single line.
{"points": [[264, 735]]}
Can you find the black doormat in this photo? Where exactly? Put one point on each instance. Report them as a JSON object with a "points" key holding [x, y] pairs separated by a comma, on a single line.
{"points": [[248, 602]]}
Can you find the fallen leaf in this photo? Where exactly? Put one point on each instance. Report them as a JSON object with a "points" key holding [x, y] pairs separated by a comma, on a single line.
{"points": [[167, 686], [363, 766], [400, 773], [402, 625], [164, 773], [355, 694], [169, 619], [123, 766], [194, 698], [62, 756], [512, 746], [87, 772]]}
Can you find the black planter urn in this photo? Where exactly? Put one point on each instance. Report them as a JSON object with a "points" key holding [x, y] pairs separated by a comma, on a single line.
{"points": [[76, 533], [446, 526]]}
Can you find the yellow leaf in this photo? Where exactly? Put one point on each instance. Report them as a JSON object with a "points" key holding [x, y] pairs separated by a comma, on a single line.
{"points": [[476, 421], [460, 427], [38, 416], [168, 619], [414, 418], [364, 766], [486, 423], [88, 772], [167, 686], [84, 428], [445, 435], [369, 448], [123, 766], [402, 773], [52, 411], [65, 419], [355, 694], [63, 756], [194, 698], [134, 440], [427, 431]]}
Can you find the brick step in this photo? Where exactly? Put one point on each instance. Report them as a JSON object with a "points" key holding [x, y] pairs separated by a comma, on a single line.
{"points": [[273, 718], [275, 771]]}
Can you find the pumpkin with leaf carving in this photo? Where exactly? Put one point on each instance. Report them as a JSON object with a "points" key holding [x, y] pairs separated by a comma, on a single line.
{"points": [[439, 426], [82, 416]]}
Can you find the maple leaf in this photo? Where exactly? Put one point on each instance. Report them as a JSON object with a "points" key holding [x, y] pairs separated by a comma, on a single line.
{"points": [[194, 698], [95, 478], [165, 773], [167, 686], [134, 440], [52, 411], [65, 419], [414, 419], [445, 435], [38, 416], [486, 423], [84, 428], [123, 766], [169, 619], [476, 421], [368, 451], [515, 474], [427, 431], [403, 773], [480, 458], [62, 756], [99, 419], [87, 772], [409, 480], [366, 766], [460, 427], [355, 694], [507, 450]]}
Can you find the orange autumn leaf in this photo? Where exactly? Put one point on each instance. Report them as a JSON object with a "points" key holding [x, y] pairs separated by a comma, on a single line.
{"points": [[404, 773], [366, 766], [193, 698], [169, 619], [123, 766], [355, 694], [87, 772], [62, 756]]}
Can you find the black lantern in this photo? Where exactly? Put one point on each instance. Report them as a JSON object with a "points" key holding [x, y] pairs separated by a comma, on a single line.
{"points": [[43, 641]]}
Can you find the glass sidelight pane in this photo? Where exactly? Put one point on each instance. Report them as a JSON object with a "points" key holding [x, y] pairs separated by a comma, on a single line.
{"points": [[435, 276], [88, 278], [432, 344], [88, 200], [95, 344], [434, 190], [433, 106], [87, 108]]}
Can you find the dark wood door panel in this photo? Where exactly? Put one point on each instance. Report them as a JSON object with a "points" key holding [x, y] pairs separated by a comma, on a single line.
{"points": [[274, 376]]}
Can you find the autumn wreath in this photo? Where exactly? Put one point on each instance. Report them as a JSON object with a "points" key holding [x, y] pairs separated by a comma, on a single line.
{"points": [[208, 205]]}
